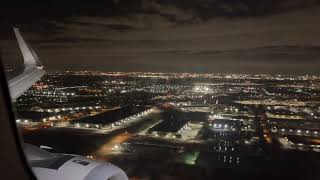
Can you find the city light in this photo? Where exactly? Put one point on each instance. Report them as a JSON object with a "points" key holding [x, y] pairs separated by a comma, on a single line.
{"points": [[130, 115]]}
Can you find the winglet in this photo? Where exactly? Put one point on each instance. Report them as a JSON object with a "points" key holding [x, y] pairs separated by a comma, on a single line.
{"points": [[29, 56], [32, 71]]}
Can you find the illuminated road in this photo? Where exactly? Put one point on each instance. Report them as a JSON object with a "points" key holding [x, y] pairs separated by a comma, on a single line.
{"points": [[60, 123], [123, 133]]}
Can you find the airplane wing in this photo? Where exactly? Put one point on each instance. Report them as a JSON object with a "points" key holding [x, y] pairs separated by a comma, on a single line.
{"points": [[46, 165], [26, 76]]}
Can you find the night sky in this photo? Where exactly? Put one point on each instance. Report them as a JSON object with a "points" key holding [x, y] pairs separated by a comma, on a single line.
{"points": [[215, 36]]}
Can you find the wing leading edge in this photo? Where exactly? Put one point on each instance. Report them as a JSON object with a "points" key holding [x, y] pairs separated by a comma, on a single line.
{"points": [[32, 72]]}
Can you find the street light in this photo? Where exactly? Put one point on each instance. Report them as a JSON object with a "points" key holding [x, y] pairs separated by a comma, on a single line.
{"points": [[299, 131]]}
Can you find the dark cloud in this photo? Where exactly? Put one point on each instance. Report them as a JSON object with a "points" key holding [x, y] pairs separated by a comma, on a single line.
{"points": [[275, 36]]}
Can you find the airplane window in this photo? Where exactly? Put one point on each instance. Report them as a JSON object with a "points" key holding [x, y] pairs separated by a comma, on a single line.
{"points": [[189, 89]]}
